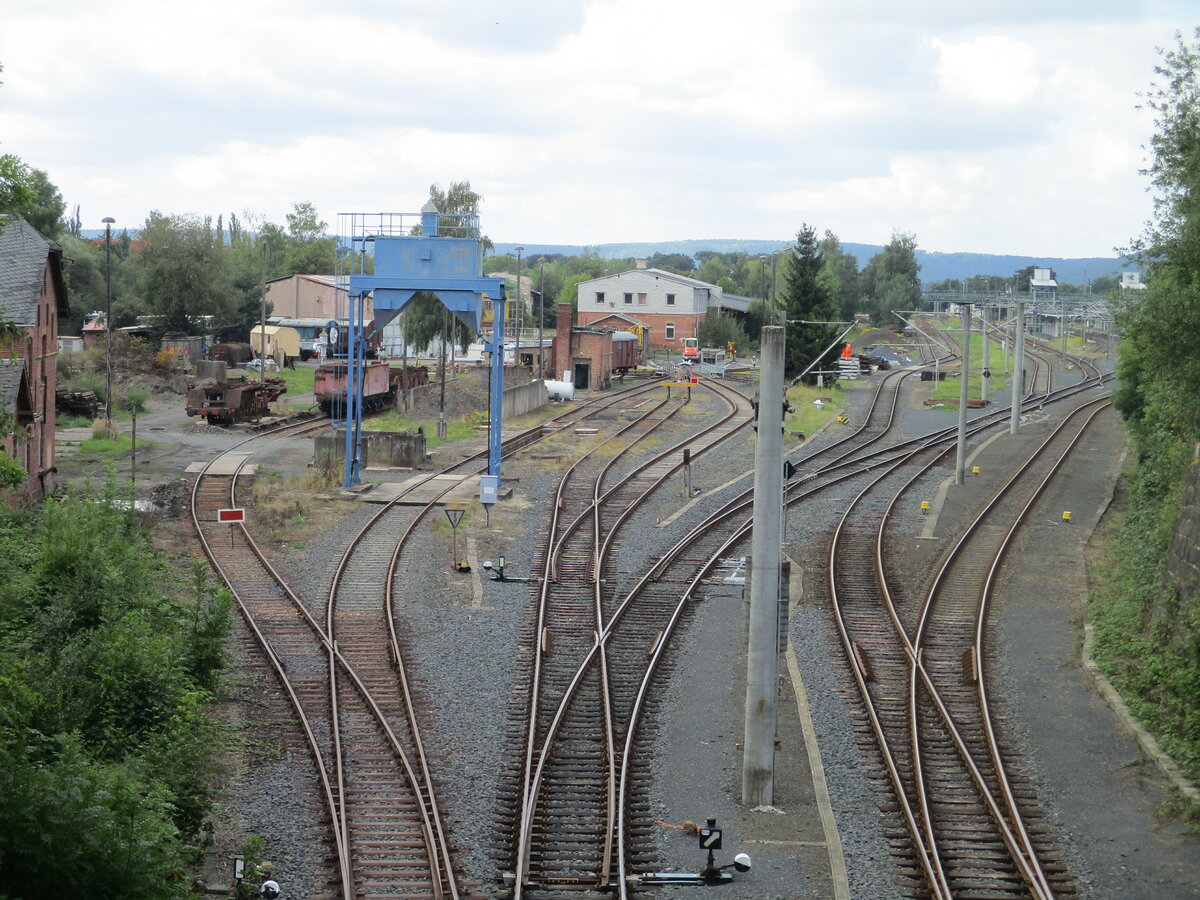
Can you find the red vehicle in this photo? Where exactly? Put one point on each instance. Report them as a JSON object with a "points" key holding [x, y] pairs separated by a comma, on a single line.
{"points": [[624, 352], [691, 349], [380, 384]]}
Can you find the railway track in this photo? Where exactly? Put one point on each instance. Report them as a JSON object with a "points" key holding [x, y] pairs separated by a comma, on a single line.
{"points": [[970, 829], [563, 806], [347, 689]]}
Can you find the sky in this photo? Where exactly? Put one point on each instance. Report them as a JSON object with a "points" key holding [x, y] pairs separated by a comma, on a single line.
{"points": [[1011, 130]]}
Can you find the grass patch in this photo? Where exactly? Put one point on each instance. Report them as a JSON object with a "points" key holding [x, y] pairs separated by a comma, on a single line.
{"points": [[288, 503], [115, 447], [299, 380], [808, 418], [72, 420], [456, 429], [1001, 383]]}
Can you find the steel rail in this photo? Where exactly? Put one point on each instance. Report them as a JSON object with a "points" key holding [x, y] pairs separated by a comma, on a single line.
{"points": [[528, 787], [600, 551], [1007, 818]]}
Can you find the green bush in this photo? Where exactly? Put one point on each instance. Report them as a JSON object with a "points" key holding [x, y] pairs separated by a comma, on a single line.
{"points": [[109, 756]]}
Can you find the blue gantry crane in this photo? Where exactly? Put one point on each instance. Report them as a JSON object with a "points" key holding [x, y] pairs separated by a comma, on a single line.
{"points": [[412, 252]]}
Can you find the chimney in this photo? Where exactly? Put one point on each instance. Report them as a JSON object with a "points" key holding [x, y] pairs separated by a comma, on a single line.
{"points": [[560, 348], [641, 263]]}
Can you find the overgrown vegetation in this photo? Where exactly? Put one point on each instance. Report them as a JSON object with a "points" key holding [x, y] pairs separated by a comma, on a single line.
{"points": [[1148, 622], [108, 754]]}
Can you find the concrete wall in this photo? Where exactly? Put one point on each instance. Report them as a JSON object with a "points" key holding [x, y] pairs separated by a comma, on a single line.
{"points": [[525, 398], [468, 392], [384, 449]]}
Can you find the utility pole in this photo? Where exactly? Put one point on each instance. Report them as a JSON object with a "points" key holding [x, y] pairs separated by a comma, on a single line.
{"points": [[960, 458], [108, 326], [520, 319], [758, 758], [1018, 376], [987, 373], [262, 318], [1063, 324]]}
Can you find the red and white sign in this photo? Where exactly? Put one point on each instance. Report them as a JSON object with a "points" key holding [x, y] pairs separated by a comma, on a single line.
{"points": [[237, 514]]}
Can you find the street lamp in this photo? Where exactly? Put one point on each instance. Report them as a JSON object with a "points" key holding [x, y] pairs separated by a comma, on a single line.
{"points": [[541, 314], [520, 320], [108, 368]]}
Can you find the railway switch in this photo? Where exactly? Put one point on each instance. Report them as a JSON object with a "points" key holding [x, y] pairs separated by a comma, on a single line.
{"points": [[709, 838]]}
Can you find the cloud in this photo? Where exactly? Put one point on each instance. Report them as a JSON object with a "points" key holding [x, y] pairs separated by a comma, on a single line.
{"points": [[603, 120], [994, 70]]}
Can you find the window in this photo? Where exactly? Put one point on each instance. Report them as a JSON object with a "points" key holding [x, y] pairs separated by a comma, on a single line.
{"points": [[670, 299], [599, 296], [641, 299], [629, 298], [669, 333]]}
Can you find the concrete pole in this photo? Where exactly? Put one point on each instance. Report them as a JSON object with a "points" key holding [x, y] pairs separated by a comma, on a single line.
{"points": [[496, 407], [960, 459], [758, 760], [987, 373], [1018, 369]]}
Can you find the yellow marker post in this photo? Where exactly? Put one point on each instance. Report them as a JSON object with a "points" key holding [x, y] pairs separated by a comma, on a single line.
{"points": [[924, 506], [975, 470], [1066, 517]]}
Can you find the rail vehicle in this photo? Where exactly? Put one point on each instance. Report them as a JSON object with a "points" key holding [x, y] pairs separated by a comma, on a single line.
{"points": [[234, 353], [381, 382], [691, 349], [624, 352], [226, 402]]}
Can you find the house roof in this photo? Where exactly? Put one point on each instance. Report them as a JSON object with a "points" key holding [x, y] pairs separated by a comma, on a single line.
{"points": [[616, 315], [327, 280], [660, 273], [24, 254]]}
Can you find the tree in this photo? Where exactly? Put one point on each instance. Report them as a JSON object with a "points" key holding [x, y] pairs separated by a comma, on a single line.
{"points": [[680, 263], [17, 191], [45, 207], [805, 297], [425, 313], [892, 278], [840, 271], [308, 250], [1148, 628], [184, 271], [717, 330]]}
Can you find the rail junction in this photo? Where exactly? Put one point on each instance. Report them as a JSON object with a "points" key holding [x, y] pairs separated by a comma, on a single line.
{"points": [[603, 618]]}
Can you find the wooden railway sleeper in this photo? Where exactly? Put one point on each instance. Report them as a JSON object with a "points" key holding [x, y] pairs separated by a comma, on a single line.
{"points": [[969, 667]]}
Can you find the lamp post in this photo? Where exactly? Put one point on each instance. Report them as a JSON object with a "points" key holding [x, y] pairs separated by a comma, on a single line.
{"points": [[108, 367], [541, 314]]}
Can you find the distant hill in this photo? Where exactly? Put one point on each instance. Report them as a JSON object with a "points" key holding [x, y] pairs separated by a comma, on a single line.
{"points": [[935, 266]]}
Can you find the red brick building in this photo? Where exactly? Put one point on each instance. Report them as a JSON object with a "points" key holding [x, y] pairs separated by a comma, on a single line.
{"points": [[585, 353], [33, 296], [665, 307]]}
